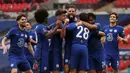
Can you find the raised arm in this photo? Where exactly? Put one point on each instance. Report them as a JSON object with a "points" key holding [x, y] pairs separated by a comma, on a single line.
{"points": [[3, 45], [90, 26], [30, 48]]}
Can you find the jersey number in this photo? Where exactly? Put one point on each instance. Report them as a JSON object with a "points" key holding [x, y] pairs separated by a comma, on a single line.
{"points": [[20, 42], [85, 34], [109, 37]]}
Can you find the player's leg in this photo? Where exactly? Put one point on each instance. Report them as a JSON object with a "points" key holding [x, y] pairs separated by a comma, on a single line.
{"points": [[115, 63], [29, 71], [67, 58], [91, 64], [24, 66], [84, 66], [13, 64], [43, 63], [100, 62], [57, 60], [108, 62], [75, 58], [14, 70], [31, 62]]}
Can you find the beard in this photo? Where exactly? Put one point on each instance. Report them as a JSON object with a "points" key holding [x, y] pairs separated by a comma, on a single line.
{"points": [[71, 18], [22, 25]]}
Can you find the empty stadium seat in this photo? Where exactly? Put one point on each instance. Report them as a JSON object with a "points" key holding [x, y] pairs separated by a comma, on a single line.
{"points": [[122, 3], [86, 1]]}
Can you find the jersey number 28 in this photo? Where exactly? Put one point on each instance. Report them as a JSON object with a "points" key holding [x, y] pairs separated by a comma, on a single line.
{"points": [[85, 32]]}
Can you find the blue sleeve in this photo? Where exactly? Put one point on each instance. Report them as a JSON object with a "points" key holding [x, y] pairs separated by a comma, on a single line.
{"points": [[53, 26], [28, 37], [94, 33], [62, 25], [43, 30], [122, 34], [10, 33], [71, 26], [99, 26], [32, 35]]}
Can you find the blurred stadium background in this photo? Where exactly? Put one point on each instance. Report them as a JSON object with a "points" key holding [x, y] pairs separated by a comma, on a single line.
{"points": [[9, 9]]}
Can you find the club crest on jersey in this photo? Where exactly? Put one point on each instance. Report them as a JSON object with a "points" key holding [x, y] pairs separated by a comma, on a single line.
{"points": [[25, 36], [22, 34], [30, 37], [105, 30], [110, 30], [81, 41], [115, 30]]}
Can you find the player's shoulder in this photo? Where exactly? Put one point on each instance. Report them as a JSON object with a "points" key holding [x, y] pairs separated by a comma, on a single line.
{"points": [[118, 26], [39, 26], [98, 24], [14, 29], [106, 26]]}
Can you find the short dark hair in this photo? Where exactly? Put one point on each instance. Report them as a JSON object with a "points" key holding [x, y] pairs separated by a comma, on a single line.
{"points": [[41, 15], [114, 13], [83, 16], [60, 12], [20, 16], [72, 6], [91, 15]]}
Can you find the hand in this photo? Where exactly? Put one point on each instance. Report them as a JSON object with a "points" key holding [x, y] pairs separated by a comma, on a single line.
{"points": [[35, 66], [119, 38], [4, 49], [58, 22], [66, 21], [79, 23]]}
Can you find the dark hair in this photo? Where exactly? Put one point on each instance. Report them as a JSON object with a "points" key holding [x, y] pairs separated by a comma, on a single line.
{"points": [[20, 16], [72, 6], [91, 15], [60, 12], [114, 13], [41, 15], [83, 16]]}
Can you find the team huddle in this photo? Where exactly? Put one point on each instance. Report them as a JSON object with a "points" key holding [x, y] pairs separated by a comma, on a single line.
{"points": [[88, 47]]}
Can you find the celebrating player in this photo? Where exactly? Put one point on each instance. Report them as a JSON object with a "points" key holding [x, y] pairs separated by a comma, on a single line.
{"points": [[113, 33], [42, 51], [95, 48], [18, 37], [56, 42], [33, 41], [71, 15], [79, 51]]}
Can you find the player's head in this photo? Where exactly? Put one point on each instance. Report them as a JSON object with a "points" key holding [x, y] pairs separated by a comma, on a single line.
{"points": [[83, 17], [113, 17], [91, 18], [71, 11], [28, 26], [41, 16], [21, 19], [61, 14]]}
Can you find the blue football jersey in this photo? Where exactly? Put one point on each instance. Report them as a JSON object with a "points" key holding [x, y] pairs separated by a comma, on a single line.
{"points": [[56, 40], [94, 43], [26, 51], [43, 43], [18, 38], [111, 41], [80, 33]]}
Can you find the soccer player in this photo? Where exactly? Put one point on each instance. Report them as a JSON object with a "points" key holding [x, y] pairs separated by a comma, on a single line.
{"points": [[56, 43], [113, 33], [42, 51], [71, 15], [79, 50], [18, 37], [95, 48], [32, 36]]}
